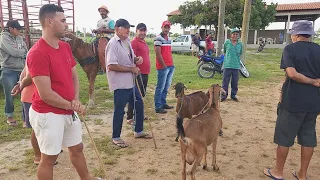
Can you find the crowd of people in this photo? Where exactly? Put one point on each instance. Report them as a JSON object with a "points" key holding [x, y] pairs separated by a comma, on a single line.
{"points": [[47, 79]]}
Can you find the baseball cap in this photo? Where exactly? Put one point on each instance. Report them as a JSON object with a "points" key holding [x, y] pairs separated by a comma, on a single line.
{"points": [[141, 26], [302, 27], [166, 23], [123, 23], [235, 30], [14, 24]]}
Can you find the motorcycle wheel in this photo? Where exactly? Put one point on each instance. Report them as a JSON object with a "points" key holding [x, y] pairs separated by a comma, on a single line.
{"points": [[203, 73], [243, 71]]}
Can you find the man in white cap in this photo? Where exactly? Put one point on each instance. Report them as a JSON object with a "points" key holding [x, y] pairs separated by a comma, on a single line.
{"points": [[104, 31], [299, 103]]}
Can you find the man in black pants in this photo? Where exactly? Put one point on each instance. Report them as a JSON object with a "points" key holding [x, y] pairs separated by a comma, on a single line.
{"points": [[140, 48], [299, 104]]}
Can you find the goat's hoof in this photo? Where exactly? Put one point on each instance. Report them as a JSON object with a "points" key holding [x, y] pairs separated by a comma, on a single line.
{"points": [[215, 167], [204, 167]]}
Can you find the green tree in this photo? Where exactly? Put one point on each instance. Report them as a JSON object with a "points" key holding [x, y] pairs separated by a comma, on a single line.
{"points": [[205, 12]]}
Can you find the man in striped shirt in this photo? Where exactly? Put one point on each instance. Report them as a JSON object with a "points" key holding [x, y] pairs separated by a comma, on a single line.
{"points": [[165, 68]]}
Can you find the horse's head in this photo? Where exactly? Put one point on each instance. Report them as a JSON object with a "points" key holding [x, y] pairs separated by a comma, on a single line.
{"points": [[68, 37]]}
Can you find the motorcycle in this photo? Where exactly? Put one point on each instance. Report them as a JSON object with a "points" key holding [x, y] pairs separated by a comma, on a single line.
{"points": [[209, 65]]}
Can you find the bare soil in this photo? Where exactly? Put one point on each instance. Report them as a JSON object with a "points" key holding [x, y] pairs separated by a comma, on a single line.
{"points": [[243, 152]]}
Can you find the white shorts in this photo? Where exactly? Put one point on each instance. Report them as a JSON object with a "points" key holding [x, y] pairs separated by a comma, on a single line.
{"points": [[55, 130]]}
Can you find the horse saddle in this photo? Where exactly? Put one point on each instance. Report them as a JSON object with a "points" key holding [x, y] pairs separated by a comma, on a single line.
{"points": [[100, 49]]}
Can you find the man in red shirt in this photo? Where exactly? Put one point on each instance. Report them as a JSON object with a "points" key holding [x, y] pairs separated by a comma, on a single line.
{"points": [[56, 98], [209, 44], [165, 68], [140, 48]]}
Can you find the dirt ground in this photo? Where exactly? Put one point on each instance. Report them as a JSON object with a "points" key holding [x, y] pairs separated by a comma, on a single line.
{"points": [[244, 150]]}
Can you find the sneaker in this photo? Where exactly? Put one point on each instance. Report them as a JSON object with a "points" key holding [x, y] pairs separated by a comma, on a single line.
{"points": [[161, 111], [166, 106], [235, 99]]}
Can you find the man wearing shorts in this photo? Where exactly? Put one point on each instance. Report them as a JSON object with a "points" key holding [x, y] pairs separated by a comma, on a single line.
{"points": [[299, 104], [56, 98]]}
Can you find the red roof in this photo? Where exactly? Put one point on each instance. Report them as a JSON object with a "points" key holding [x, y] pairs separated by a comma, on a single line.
{"points": [[299, 6], [281, 7]]}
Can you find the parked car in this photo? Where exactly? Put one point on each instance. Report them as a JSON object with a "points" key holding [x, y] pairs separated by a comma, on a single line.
{"points": [[183, 43]]}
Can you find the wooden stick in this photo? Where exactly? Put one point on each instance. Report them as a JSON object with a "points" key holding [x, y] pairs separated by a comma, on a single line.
{"points": [[154, 140], [95, 147]]}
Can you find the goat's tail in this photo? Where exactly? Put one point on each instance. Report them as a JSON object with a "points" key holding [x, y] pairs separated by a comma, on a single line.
{"points": [[180, 127]]}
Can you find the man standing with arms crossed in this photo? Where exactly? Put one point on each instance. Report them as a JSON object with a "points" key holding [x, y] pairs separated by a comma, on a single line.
{"points": [[140, 48], [299, 104], [165, 68], [56, 98]]}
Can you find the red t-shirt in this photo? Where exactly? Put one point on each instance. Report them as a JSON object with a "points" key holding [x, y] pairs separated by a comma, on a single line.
{"points": [[43, 60], [209, 43], [165, 43], [140, 48]]}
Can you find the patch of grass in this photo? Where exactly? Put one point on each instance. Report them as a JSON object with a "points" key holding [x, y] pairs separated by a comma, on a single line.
{"points": [[97, 172], [98, 121], [151, 171], [263, 67]]}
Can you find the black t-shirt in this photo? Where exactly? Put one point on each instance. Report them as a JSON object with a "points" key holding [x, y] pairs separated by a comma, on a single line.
{"points": [[305, 58], [196, 40]]}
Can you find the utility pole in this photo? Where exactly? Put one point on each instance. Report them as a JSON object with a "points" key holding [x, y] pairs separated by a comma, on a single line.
{"points": [[222, 7], [245, 27]]}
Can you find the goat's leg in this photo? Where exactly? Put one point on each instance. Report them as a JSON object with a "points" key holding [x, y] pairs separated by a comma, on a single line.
{"points": [[195, 165], [183, 148], [214, 152], [205, 158]]}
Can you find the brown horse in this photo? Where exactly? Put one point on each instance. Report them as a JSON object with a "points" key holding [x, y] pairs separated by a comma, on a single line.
{"points": [[88, 57]]}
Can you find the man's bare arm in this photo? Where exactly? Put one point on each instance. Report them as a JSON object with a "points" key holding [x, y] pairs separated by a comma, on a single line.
{"points": [[43, 84], [157, 49], [119, 68], [104, 30], [294, 75], [26, 81], [76, 85]]}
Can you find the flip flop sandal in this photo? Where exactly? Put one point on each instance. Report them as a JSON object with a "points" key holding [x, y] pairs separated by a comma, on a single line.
{"points": [[13, 123], [271, 176], [296, 176], [120, 144]]}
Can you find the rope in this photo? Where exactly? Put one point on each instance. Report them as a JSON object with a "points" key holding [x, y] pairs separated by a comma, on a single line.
{"points": [[151, 129], [95, 147], [181, 105]]}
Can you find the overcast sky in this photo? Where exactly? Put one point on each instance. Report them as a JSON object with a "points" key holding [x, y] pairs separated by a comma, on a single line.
{"points": [[150, 12]]}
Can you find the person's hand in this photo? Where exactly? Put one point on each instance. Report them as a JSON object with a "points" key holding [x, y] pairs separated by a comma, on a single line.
{"points": [[135, 70], [82, 110], [316, 82], [76, 105], [164, 66], [139, 60], [16, 90]]}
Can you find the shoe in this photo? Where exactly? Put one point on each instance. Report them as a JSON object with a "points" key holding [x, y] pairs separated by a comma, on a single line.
{"points": [[161, 111], [166, 106], [235, 99]]}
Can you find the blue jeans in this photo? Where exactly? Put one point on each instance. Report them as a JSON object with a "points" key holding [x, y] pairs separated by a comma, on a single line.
{"points": [[163, 85], [232, 74], [26, 107], [210, 52], [121, 98], [9, 79]]}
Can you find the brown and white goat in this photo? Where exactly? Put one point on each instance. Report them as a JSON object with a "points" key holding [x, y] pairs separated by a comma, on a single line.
{"points": [[191, 104], [200, 132]]}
